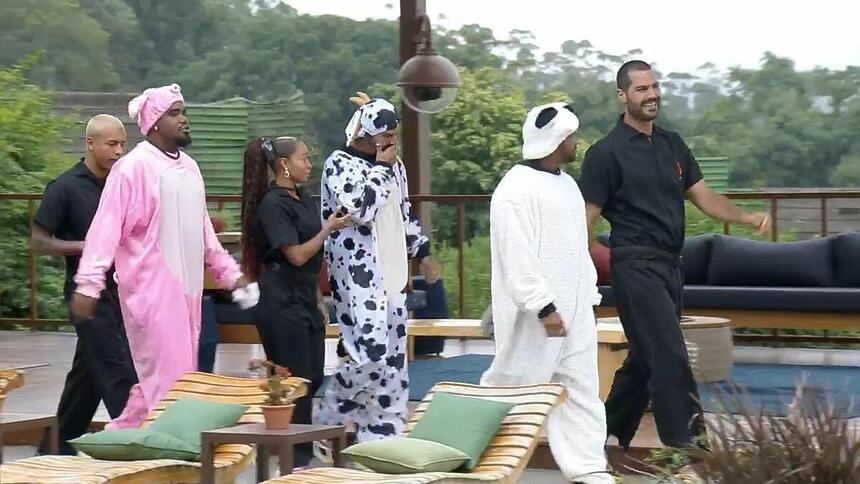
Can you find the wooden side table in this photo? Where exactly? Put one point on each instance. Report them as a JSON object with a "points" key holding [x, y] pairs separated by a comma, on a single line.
{"points": [[708, 339], [22, 422], [710, 346], [257, 434], [611, 352]]}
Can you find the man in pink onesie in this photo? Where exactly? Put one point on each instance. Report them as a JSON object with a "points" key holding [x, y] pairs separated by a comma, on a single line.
{"points": [[152, 223]]}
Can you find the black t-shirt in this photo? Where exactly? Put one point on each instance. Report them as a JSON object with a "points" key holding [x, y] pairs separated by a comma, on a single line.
{"points": [[287, 221], [640, 181], [68, 206]]}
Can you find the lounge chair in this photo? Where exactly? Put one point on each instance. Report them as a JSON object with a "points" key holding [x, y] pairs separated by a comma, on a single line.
{"points": [[230, 459], [502, 462]]}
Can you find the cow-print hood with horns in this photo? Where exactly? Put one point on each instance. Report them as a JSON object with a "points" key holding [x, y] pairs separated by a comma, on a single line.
{"points": [[371, 119]]}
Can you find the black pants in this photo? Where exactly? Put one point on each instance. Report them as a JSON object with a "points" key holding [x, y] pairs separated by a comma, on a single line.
{"points": [[293, 335], [102, 369], [208, 341], [648, 288]]}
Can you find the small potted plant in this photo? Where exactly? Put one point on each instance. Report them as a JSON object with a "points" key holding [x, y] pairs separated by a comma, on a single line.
{"points": [[283, 390]]}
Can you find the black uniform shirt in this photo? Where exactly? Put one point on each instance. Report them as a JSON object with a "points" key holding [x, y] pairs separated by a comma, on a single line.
{"points": [[68, 206], [287, 221], [640, 182]]}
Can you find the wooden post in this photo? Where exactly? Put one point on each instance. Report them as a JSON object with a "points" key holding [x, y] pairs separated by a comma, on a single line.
{"points": [[31, 259], [415, 127], [461, 261]]}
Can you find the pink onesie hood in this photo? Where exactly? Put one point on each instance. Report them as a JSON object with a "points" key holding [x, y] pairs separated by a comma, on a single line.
{"points": [[149, 106]]}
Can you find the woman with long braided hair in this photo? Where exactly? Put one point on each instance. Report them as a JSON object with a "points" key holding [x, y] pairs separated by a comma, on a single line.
{"points": [[282, 240]]}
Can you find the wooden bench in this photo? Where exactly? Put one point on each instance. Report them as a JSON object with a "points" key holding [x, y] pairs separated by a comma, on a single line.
{"points": [[447, 328], [769, 319], [774, 321]]}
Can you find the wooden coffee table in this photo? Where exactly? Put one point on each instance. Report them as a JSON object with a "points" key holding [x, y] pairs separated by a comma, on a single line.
{"points": [[257, 434], [23, 422]]}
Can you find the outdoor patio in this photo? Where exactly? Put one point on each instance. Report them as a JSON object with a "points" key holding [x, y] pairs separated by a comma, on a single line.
{"points": [[50, 355]]}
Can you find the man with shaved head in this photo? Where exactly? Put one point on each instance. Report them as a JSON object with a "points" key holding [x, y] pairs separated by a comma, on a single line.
{"points": [[102, 368]]}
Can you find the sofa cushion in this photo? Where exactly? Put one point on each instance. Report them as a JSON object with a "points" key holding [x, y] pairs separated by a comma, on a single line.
{"points": [[695, 257], [846, 259], [824, 299], [603, 238], [600, 256], [741, 262], [607, 296]]}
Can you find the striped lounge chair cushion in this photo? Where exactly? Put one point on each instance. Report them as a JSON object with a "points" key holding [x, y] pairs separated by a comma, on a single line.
{"points": [[502, 462], [229, 459]]}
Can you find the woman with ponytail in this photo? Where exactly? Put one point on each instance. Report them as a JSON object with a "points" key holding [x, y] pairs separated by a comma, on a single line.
{"points": [[282, 240]]}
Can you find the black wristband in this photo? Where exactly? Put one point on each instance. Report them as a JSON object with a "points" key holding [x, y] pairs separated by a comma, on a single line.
{"points": [[547, 310]]}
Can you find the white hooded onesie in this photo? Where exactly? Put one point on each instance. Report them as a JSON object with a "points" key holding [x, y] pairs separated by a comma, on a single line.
{"points": [[539, 252]]}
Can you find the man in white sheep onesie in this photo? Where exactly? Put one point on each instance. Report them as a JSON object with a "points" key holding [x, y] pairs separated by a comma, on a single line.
{"points": [[543, 288]]}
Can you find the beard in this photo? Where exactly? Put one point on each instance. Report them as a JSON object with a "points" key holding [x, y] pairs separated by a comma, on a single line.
{"points": [[184, 142], [641, 113]]}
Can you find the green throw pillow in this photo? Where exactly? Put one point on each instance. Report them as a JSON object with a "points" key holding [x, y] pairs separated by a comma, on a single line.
{"points": [[134, 444], [400, 455], [467, 424], [186, 418]]}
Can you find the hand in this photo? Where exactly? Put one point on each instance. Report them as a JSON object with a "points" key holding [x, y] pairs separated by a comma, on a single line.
{"points": [[386, 154], [336, 222], [759, 221], [82, 307], [431, 270], [554, 325], [241, 282]]}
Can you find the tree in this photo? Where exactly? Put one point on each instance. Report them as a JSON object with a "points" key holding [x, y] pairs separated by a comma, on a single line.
{"points": [[132, 54], [475, 141], [279, 52], [29, 137], [176, 34], [847, 173], [471, 46], [75, 49], [781, 127]]}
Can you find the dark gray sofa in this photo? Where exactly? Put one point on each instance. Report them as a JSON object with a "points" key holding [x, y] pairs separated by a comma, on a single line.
{"points": [[735, 277]]}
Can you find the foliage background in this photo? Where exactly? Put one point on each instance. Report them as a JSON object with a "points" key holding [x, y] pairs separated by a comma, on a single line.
{"points": [[779, 126]]}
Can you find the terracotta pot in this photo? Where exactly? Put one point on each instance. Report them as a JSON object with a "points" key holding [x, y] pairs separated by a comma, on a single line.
{"points": [[278, 417]]}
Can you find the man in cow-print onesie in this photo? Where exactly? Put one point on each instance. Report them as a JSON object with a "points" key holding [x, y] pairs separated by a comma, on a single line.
{"points": [[368, 271]]}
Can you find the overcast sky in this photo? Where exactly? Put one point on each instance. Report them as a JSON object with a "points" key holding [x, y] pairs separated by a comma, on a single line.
{"points": [[678, 35]]}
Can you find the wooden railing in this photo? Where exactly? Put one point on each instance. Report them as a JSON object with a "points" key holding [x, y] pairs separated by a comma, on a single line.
{"points": [[771, 198]]}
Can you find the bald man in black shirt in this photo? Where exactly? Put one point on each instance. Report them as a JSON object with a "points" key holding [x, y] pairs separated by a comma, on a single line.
{"points": [[102, 368]]}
